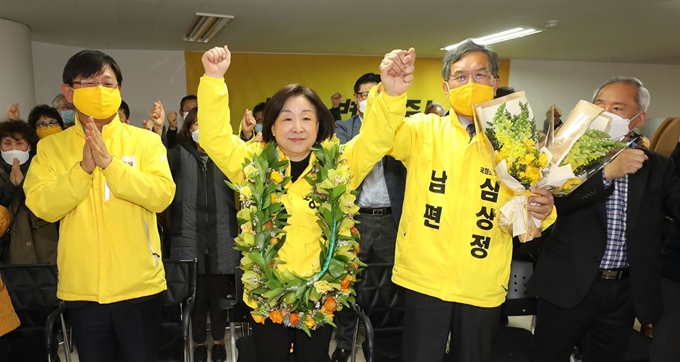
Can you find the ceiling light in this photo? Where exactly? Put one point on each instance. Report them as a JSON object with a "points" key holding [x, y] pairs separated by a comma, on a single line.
{"points": [[204, 27], [499, 37]]}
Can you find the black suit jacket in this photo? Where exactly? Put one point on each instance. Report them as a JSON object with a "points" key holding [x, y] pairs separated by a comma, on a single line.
{"points": [[571, 256], [395, 172]]}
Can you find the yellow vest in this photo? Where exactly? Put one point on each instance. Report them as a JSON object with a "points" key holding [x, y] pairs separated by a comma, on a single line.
{"points": [[109, 249], [449, 245]]}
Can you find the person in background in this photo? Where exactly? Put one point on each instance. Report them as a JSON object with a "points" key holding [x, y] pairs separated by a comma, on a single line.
{"points": [[503, 91], [13, 112], [253, 118], [32, 240], [96, 178], [557, 113], [66, 110], [203, 226], [380, 197], [46, 120], [360, 95], [436, 108], [124, 112]]}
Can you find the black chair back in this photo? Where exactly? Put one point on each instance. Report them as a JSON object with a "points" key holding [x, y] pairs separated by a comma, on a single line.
{"points": [[33, 290], [180, 277], [520, 301], [513, 344], [380, 308]]}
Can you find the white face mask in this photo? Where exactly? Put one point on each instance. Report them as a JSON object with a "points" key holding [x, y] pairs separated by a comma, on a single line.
{"points": [[184, 115], [9, 156], [362, 105], [619, 127], [194, 136]]}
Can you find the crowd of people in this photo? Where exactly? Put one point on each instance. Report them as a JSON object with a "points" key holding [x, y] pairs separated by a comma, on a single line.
{"points": [[87, 191]]}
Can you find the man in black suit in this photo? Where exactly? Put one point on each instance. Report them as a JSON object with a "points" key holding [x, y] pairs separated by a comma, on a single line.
{"points": [[380, 199], [599, 269]]}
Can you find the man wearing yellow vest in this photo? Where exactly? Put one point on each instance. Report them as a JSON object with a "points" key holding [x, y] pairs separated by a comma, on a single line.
{"points": [[451, 255], [104, 180]]}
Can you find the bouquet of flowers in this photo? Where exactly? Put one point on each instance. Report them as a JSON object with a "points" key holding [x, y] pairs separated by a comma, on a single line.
{"points": [[568, 159], [519, 163], [581, 147], [283, 296]]}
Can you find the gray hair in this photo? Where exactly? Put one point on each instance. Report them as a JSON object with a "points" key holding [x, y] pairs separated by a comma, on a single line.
{"points": [[642, 98], [467, 46], [55, 101]]}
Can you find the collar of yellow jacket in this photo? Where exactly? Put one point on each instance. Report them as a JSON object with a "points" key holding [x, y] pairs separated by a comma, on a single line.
{"points": [[109, 130]]}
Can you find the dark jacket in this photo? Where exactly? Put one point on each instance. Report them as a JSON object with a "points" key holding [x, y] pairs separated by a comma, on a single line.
{"points": [[32, 240], [572, 254], [203, 213], [395, 172], [671, 247]]}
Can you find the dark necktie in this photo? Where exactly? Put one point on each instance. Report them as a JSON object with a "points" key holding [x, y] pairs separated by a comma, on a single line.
{"points": [[471, 130]]}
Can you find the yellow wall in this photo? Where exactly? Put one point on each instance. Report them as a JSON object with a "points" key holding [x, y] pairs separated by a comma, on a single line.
{"points": [[252, 78]]}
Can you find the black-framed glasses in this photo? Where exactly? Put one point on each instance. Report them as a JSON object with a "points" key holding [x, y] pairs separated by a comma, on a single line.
{"points": [[362, 95], [43, 125], [89, 83]]}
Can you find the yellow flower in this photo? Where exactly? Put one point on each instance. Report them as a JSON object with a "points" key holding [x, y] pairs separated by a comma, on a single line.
{"points": [[529, 158], [245, 193], [529, 144], [275, 176], [258, 318], [338, 176], [327, 144], [247, 227], [243, 214], [322, 286], [250, 171], [543, 160], [275, 197], [309, 322], [347, 205]]}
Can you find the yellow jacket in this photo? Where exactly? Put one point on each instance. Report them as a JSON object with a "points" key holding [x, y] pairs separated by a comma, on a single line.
{"points": [[449, 245], [9, 320], [109, 249], [228, 151]]}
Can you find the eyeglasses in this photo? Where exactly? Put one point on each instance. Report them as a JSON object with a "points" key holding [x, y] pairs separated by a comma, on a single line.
{"points": [[51, 123], [89, 83], [362, 95], [477, 76]]}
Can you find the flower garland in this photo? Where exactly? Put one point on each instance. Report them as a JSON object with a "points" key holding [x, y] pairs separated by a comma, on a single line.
{"points": [[284, 297]]}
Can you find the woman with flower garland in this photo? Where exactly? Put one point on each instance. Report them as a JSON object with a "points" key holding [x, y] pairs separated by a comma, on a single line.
{"points": [[297, 231]]}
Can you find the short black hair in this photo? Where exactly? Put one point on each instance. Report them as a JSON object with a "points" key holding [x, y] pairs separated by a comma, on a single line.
{"points": [[275, 104], [43, 110], [87, 63], [258, 107], [504, 91], [190, 97], [366, 78], [125, 108]]}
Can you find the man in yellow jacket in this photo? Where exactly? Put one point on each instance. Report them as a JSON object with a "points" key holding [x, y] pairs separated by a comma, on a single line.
{"points": [[451, 255], [104, 181]]}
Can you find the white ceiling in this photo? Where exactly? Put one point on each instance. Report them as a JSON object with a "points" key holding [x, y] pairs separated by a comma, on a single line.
{"points": [[630, 31]]}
